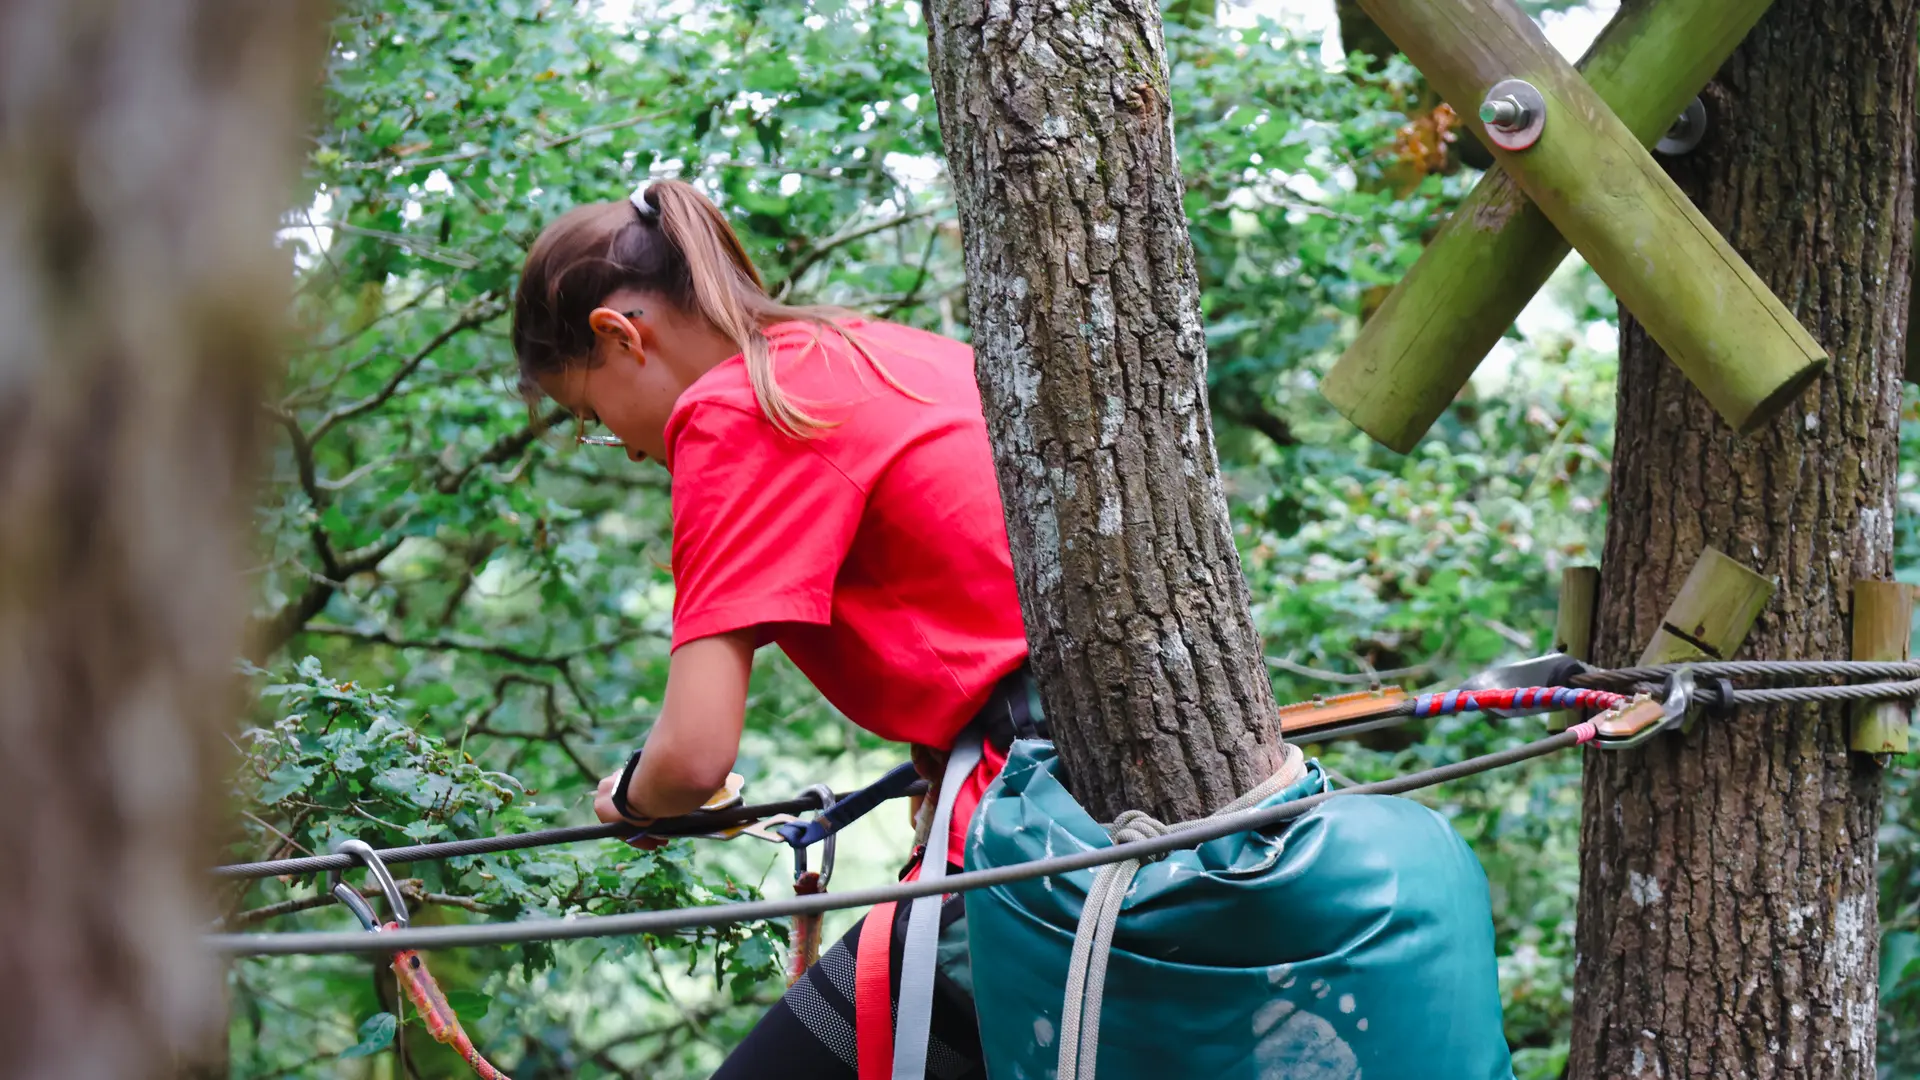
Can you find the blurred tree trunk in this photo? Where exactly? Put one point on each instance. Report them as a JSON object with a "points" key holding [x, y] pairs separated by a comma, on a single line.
{"points": [[1727, 922], [1092, 362], [145, 154]]}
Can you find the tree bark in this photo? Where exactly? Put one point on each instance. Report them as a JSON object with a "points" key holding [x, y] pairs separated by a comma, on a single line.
{"points": [[1727, 922], [145, 149], [1092, 363]]}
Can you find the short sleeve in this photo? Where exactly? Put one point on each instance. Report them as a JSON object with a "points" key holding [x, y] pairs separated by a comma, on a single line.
{"points": [[761, 523]]}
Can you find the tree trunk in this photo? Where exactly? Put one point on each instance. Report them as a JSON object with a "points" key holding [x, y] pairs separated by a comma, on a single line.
{"points": [[1727, 921], [145, 148], [1092, 363]]}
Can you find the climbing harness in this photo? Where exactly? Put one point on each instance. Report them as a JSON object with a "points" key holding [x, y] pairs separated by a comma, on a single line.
{"points": [[409, 967], [914, 1021]]}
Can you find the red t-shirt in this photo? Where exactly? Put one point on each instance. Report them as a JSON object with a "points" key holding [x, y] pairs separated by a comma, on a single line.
{"points": [[874, 553]]}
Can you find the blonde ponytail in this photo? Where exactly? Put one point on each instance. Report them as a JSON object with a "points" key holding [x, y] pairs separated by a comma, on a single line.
{"points": [[729, 292]]}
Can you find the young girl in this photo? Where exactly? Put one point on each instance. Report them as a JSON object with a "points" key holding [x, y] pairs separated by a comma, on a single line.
{"points": [[833, 494]]}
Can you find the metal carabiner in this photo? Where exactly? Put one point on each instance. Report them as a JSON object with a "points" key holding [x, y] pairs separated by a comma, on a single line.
{"points": [[350, 896], [1643, 718], [824, 796]]}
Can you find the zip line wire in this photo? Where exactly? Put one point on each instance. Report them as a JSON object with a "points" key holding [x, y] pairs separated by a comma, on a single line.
{"points": [[697, 823], [1722, 696], [661, 922]]}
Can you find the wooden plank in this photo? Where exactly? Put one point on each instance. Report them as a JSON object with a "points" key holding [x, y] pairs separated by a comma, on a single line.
{"points": [[1591, 177], [1573, 633], [1710, 617], [1882, 630], [1298, 719]]}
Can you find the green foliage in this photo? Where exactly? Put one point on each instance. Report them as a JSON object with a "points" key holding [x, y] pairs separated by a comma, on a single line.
{"points": [[462, 619], [375, 1035]]}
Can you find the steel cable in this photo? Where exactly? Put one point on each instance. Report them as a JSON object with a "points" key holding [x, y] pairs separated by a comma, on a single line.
{"points": [[692, 824], [1751, 669], [709, 821], [669, 921]]}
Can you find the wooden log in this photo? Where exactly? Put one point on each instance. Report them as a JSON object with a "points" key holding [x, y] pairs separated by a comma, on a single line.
{"points": [[1497, 249], [1882, 630], [1712, 613], [1592, 178], [1573, 633]]}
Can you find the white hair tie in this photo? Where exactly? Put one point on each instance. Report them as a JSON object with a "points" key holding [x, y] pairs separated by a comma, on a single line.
{"points": [[648, 211]]}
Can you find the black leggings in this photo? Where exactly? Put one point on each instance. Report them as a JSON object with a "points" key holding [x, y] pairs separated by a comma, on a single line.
{"points": [[809, 1032]]}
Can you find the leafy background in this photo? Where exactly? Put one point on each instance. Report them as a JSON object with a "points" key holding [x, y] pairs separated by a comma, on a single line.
{"points": [[461, 619]]}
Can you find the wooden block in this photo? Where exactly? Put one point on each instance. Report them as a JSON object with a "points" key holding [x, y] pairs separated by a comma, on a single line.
{"points": [[1573, 633], [1710, 617], [1882, 630], [1595, 181]]}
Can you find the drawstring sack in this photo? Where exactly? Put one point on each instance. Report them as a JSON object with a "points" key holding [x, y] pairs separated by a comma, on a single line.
{"points": [[1356, 940]]}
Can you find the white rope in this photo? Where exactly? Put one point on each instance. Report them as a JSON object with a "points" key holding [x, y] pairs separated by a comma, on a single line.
{"points": [[1100, 916]]}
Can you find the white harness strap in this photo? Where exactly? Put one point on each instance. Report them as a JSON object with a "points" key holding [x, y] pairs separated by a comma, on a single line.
{"points": [[914, 1022]]}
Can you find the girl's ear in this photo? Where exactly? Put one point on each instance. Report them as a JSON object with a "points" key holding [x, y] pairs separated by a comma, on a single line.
{"points": [[616, 330]]}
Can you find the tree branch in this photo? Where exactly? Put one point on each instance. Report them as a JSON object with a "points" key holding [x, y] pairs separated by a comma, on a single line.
{"points": [[411, 245], [919, 280], [556, 731], [478, 314], [269, 634], [503, 449], [812, 256], [1369, 678], [1246, 411], [457, 156], [413, 889], [452, 643]]}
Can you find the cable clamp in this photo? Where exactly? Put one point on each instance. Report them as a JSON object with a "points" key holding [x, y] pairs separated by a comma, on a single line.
{"points": [[1642, 718]]}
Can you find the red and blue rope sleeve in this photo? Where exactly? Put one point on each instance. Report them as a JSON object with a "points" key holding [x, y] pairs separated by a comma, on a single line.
{"points": [[1515, 702]]}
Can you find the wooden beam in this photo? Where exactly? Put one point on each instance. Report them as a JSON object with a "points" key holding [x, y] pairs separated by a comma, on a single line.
{"points": [[1573, 633], [1710, 616], [1497, 249], [1882, 630], [1591, 177]]}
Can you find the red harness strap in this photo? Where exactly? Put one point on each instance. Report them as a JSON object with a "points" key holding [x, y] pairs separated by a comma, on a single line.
{"points": [[873, 996]]}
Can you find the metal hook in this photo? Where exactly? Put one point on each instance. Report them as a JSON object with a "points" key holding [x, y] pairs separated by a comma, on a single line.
{"points": [[348, 895], [824, 796]]}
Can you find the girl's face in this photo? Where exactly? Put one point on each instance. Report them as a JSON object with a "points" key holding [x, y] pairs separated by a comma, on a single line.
{"points": [[628, 386]]}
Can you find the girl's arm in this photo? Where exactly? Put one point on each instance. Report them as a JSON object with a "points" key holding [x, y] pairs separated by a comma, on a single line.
{"points": [[694, 743]]}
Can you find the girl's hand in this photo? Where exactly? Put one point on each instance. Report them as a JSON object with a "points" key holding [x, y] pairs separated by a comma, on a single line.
{"points": [[603, 809]]}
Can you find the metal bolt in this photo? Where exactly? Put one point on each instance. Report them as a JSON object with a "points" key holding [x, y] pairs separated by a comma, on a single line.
{"points": [[1505, 113], [1687, 131], [1514, 113]]}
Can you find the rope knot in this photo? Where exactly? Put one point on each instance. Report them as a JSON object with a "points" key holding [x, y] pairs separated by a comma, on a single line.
{"points": [[1136, 825]]}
